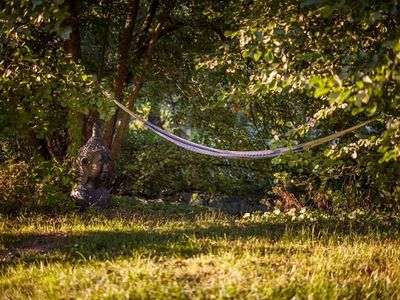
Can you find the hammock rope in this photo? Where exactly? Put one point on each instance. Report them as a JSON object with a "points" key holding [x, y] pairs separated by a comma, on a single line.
{"points": [[198, 148]]}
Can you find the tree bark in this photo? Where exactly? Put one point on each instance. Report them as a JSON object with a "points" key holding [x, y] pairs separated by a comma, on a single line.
{"points": [[72, 45], [122, 69], [105, 40], [140, 41], [139, 83]]}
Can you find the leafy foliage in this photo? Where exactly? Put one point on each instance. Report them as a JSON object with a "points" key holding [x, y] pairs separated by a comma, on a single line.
{"points": [[42, 90], [326, 63], [252, 75], [35, 186], [152, 168], [43, 97]]}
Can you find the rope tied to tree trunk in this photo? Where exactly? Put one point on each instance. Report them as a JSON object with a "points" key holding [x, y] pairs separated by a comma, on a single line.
{"points": [[198, 148]]}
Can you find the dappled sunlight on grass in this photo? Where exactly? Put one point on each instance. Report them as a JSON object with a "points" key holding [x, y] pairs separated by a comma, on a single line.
{"points": [[198, 254]]}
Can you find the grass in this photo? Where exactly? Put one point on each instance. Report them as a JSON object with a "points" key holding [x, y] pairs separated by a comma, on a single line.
{"points": [[157, 251]]}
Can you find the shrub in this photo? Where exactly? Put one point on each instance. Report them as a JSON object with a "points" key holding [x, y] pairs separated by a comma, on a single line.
{"points": [[152, 168], [35, 186]]}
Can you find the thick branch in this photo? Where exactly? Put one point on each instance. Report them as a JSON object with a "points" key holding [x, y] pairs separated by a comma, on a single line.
{"points": [[147, 22]]}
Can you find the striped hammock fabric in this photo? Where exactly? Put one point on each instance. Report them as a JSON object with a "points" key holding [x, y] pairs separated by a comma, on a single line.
{"points": [[194, 147]]}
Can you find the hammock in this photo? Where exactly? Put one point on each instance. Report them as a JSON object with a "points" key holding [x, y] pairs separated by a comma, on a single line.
{"points": [[194, 147]]}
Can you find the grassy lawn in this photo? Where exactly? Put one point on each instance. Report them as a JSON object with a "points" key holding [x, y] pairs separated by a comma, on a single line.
{"points": [[172, 252]]}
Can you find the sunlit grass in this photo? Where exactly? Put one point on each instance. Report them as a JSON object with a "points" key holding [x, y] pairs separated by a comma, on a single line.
{"points": [[172, 252]]}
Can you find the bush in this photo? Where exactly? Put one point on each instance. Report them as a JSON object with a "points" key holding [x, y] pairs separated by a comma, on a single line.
{"points": [[154, 168], [35, 186], [349, 176]]}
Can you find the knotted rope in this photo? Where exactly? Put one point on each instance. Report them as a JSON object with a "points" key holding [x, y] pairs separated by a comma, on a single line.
{"points": [[194, 147]]}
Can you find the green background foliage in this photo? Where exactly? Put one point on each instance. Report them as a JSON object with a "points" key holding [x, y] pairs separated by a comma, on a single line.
{"points": [[240, 75]]}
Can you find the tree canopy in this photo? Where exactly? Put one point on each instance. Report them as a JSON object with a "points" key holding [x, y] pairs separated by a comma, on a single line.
{"points": [[238, 75]]}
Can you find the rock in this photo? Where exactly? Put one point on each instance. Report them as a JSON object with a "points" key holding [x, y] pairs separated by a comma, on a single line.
{"points": [[234, 205]]}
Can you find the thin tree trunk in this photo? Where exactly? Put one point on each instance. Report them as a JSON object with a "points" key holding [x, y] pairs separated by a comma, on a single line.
{"points": [[105, 40], [140, 41], [135, 91], [72, 45], [122, 69]]}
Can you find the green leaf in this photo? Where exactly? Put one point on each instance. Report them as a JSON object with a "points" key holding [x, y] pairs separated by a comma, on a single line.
{"points": [[327, 11], [321, 91], [388, 156], [258, 55], [65, 180], [308, 57], [372, 109], [315, 80], [357, 110], [333, 97], [289, 124], [229, 33], [276, 160], [344, 96], [269, 57], [396, 46]]}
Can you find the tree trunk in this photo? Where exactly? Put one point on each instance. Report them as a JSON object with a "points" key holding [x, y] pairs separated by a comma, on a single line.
{"points": [[122, 68], [72, 45], [105, 40], [141, 38], [135, 91]]}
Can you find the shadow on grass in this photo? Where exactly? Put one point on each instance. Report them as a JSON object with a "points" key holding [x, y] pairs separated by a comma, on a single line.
{"points": [[104, 245]]}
